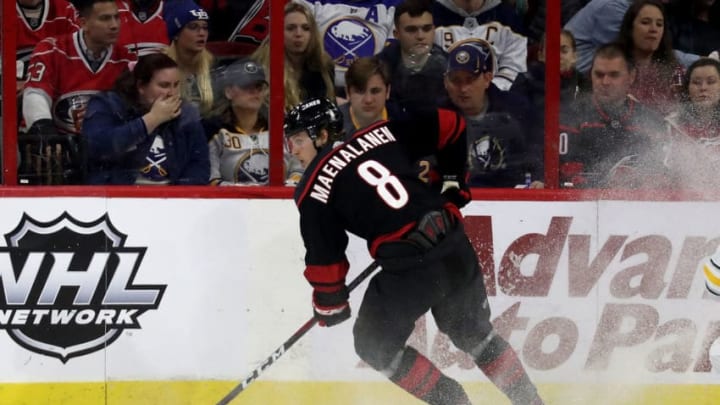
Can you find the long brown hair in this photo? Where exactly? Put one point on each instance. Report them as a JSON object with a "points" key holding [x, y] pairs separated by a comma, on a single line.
{"points": [[664, 55], [141, 74], [202, 63], [315, 60]]}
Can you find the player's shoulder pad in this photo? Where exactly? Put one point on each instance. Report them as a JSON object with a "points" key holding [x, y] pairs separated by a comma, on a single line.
{"points": [[451, 125]]}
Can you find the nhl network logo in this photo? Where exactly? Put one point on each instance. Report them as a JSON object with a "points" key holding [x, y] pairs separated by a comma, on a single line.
{"points": [[67, 286]]}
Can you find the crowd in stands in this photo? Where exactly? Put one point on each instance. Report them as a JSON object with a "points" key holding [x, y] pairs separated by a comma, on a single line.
{"points": [[176, 91]]}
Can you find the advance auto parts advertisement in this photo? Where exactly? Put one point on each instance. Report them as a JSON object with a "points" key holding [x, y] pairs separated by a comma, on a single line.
{"points": [[139, 290]]}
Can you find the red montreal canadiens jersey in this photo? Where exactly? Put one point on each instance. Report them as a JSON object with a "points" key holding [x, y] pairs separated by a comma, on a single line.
{"points": [[59, 68], [57, 17], [140, 32], [369, 186]]}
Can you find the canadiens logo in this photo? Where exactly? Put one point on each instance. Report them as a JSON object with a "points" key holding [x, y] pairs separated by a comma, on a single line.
{"points": [[67, 287], [349, 39], [70, 109]]}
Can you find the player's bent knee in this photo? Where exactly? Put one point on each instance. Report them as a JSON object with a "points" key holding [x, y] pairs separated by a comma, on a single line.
{"points": [[373, 349]]}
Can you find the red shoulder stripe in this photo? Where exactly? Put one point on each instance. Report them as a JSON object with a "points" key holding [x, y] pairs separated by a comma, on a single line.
{"points": [[450, 126]]}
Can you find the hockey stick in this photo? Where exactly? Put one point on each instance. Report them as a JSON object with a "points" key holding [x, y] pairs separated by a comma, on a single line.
{"points": [[291, 341]]}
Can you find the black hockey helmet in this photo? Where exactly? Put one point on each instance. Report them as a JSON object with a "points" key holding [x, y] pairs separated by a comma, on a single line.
{"points": [[312, 116]]}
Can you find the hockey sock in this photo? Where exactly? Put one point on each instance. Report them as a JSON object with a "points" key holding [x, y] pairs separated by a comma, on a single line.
{"points": [[502, 366], [418, 376]]}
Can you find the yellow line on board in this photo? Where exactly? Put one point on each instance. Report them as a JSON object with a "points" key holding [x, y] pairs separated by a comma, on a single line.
{"points": [[333, 393]]}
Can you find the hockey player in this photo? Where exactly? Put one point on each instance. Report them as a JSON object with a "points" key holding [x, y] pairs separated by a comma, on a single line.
{"points": [[491, 20], [143, 28], [368, 186]]}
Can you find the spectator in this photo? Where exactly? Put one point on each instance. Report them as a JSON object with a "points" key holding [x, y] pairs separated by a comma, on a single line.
{"points": [[598, 23], [368, 89], [416, 64], [694, 155], [608, 139], [64, 72], [143, 28], [240, 149], [492, 21], [187, 28], [308, 68], [646, 40], [695, 27], [142, 132], [534, 80], [238, 27], [37, 20], [352, 29], [569, 76], [503, 152], [61, 79]]}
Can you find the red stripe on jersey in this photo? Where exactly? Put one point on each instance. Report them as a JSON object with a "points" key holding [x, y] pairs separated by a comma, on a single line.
{"points": [[329, 275], [390, 237], [450, 125]]}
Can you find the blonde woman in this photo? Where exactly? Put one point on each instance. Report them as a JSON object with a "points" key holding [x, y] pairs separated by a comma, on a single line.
{"points": [[309, 70], [187, 26], [240, 148]]}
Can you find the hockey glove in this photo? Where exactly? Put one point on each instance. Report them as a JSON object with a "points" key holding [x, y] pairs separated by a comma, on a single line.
{"points": [[331, 308], [455, 191]]}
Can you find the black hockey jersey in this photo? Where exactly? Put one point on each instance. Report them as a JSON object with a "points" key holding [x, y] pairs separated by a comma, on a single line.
{"points": [[369, 185]]}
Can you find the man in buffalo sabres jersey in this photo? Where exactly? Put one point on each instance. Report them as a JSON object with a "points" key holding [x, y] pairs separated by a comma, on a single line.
{"points": [[504, 150], [240, 148], [37, 20], [368, 186], [352, 29], [65, 71], [491, 20], [143, 28]]}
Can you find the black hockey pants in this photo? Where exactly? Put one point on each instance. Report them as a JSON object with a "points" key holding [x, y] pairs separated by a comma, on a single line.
{"points": [[443, 277]]}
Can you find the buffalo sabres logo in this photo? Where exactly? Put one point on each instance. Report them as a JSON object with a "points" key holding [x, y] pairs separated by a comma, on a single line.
{"points": [[251, 68], [253, 168], [462, 57], [487, 154], [349, 39], [67, 286]]}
